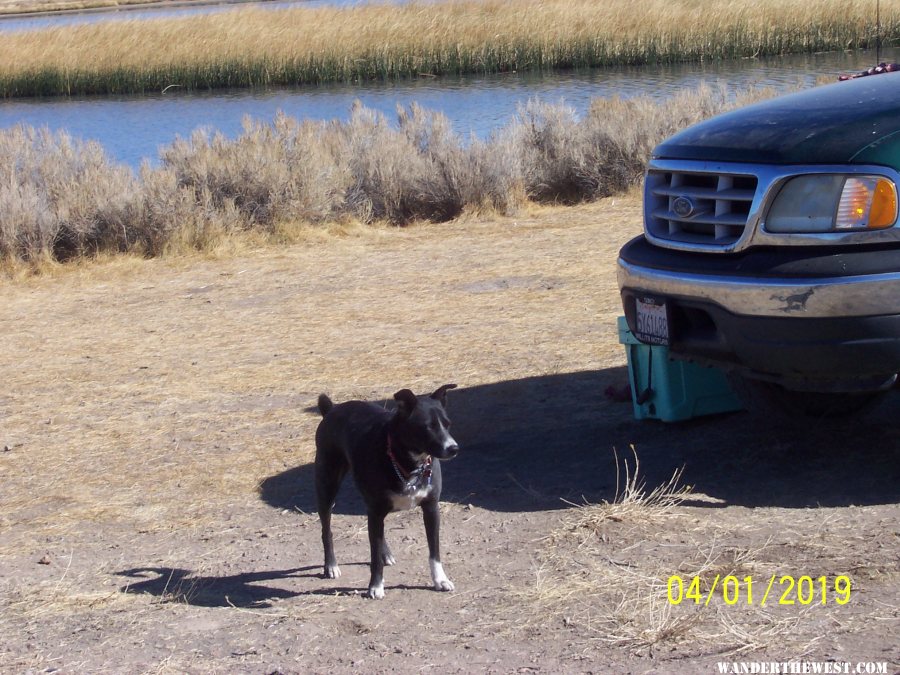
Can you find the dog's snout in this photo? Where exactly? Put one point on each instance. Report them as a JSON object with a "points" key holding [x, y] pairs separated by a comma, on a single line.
{"points": [[451, 451]]}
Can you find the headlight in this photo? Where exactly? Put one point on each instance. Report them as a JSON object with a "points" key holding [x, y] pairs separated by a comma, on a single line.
{"points": [[833, 203]]}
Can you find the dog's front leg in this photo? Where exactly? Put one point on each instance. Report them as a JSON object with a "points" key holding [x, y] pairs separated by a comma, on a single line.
{"points": [[432, 516], [377, 547]]}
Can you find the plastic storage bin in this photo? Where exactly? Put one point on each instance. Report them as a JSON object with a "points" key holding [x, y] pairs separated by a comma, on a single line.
{"points": [[669, 390]]}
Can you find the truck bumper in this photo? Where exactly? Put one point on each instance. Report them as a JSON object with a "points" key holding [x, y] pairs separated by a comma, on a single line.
{"points": [[814, 319]]}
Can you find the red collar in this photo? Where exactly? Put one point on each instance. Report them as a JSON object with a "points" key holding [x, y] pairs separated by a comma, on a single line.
{"points": [[424, 470]]}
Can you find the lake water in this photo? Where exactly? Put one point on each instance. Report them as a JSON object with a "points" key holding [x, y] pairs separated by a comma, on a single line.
{"points": [[24, 22], [132, 128]]}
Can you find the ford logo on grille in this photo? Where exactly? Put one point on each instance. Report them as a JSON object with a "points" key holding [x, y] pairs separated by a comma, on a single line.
{"points": [[683, 207]]}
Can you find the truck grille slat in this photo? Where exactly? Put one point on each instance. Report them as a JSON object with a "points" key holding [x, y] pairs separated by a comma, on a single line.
{"points": [[706, 209], [708, 193], [727, 219]]}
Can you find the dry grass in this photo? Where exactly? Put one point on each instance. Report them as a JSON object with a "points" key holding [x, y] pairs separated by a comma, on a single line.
{"points": [[609, 589], [144, 408], [169, 367], [62, 199], [632, 502], [618, 602], [145, 400], [604, 574], [249, 47]]}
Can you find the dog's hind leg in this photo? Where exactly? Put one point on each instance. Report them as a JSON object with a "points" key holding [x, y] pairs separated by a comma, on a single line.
{"points": [[386, 556], [329, 474], [432, 516]]}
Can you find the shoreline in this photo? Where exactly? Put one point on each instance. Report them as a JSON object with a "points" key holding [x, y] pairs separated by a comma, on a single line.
{"points": [[371, 42], [364, 170], [102, 6]]}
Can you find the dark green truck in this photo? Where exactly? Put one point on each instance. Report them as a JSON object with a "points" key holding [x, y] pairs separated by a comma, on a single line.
{"points": [[771, 246]]}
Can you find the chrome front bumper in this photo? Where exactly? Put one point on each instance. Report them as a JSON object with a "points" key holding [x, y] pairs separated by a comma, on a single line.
{"points": [[854, 296]]}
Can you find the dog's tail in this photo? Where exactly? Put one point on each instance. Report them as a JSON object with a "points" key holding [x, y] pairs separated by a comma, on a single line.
{"points": [[325, 404]]}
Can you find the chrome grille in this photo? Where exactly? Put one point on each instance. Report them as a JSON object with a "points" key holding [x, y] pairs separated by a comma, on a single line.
{"points": [[698, 208]]}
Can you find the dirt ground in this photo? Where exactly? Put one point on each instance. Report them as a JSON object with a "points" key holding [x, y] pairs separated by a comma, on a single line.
{"points": [[156, 499]]}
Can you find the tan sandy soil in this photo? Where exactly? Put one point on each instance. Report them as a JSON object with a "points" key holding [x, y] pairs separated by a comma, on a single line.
{"points": [[156, 504]]}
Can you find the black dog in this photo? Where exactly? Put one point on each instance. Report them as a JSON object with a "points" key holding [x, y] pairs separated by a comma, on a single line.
{"points": [[394, 458]]}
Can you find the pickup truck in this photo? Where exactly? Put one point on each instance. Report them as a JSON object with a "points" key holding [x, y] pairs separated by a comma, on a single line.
{"points": [[771, 247]]}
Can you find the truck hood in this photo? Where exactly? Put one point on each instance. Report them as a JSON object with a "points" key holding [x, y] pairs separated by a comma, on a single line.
{"points": [[856, 121]]}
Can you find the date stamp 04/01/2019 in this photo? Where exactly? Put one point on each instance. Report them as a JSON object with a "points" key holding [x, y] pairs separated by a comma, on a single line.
{"points": [[777, 589]]}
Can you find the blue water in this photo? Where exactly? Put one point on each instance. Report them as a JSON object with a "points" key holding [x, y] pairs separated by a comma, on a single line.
{"points": [[132, 128], [20, 23]]}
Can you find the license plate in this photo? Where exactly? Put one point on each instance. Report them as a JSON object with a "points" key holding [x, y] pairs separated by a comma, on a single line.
{"points": [[651, 321]]}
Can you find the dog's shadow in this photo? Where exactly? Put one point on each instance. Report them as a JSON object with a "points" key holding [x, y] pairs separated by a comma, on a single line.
{"points": [[240, 591], [547, 442], [294, 490]]}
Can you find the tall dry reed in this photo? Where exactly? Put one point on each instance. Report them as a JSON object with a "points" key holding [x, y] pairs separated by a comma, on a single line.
{"points": [[61, 198], [256, 47]]}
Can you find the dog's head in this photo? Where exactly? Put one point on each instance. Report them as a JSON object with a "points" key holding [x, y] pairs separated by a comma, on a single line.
{"points": [[422, 423]]}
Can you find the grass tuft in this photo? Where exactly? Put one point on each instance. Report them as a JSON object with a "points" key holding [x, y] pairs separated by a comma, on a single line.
{"points": [[633, 503], [604, 577]]}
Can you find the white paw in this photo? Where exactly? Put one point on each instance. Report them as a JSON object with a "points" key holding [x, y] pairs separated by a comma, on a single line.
{"points": [[444, 585], [376, 592], [439, 577], [332, 572]]}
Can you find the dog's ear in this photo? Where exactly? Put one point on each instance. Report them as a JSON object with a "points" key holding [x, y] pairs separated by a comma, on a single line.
{"points": [[441, 394], [406, 402]]}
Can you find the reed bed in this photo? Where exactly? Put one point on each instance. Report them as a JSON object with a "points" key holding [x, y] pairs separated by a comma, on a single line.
{"points": [[257, 48], [61, 198]]}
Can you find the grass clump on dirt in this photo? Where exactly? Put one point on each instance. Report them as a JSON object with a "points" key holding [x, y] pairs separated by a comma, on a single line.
{"points": [[63, 199], [604, 574], [580, 582], [259, 48]]}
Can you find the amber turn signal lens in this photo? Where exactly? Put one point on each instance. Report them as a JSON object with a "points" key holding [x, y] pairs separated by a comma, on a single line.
{"points": [[867, 202], [884, 206]]}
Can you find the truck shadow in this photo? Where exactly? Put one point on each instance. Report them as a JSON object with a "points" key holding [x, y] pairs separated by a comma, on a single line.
{"points": [[546, 442]]}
